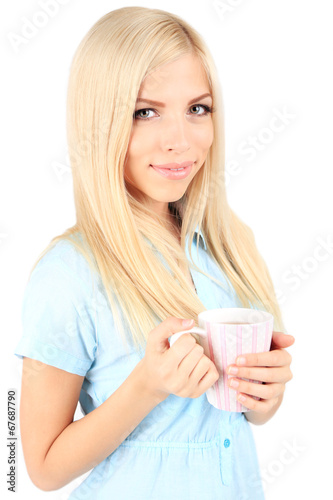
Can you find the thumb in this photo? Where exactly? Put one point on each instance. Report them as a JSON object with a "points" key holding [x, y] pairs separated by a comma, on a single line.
{"points": [[158, 337], [281, 340]]}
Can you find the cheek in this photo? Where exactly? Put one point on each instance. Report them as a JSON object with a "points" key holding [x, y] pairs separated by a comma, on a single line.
{"points": [[136, 156], [206, 142], [205, 138], [139, 144]]}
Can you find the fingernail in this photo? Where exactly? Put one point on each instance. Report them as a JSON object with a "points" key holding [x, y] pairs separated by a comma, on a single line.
{"points": [[241, 361], [187, 322], [233, 370]]}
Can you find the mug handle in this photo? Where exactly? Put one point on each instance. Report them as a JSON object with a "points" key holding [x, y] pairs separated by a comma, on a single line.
{"points": [[196, 331]]}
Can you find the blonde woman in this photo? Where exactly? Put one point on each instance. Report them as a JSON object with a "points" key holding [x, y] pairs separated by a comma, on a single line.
{"points": [[155, 243]]}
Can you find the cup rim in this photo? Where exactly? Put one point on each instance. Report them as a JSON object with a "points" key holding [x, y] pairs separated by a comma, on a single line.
{"points": [[204, 315]]}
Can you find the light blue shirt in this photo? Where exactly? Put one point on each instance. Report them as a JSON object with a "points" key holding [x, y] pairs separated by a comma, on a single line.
{"points": [[184, 449]]}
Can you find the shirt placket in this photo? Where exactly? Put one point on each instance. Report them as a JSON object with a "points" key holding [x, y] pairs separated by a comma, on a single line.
{"points": [[225, 451]]}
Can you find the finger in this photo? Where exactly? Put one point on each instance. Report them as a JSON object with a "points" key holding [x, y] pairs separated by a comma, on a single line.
{"points": [[182, 347], [158, 337], [262, 406], [206, 378], [263, 391], [190, 360], [277, 357], [281, 340], [281, 374], [196, 373]]}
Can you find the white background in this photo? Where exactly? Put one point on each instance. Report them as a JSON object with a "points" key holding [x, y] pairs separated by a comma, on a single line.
{"points": [[270, 56]]}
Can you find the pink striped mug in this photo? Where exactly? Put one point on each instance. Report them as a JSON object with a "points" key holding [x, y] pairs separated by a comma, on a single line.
{"points": [[225, 334]]}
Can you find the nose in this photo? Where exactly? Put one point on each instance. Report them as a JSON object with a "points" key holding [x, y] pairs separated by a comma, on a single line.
{"points": [[175, 134]]}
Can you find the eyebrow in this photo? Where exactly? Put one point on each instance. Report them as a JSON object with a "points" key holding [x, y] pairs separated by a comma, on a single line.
{"points": [[162, 105]]}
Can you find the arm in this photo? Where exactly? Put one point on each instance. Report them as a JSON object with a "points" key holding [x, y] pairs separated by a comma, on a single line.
{"points": [[58, 449]]}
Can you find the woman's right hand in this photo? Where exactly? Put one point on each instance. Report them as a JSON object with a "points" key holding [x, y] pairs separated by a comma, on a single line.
{"points": [[183, 369]]}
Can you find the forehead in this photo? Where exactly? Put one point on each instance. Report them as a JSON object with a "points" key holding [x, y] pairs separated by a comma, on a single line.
{"points": [[185, 76]]}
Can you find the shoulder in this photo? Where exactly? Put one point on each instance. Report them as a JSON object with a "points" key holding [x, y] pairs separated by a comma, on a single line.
{"points": [[64, 263], [58, 312]]}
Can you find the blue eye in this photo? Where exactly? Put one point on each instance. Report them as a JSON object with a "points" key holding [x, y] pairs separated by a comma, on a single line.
{"points": [[207, 109], [140, 111]]}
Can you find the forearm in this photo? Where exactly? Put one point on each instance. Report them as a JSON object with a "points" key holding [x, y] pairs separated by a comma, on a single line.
{"points": [[257, 418], [88, 441]]}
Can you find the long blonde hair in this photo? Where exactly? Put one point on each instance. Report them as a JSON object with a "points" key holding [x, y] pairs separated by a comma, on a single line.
{"points": [[120, 236]]}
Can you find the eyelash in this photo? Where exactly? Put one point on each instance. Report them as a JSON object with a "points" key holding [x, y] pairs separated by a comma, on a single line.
{"points": [[208, 110]]}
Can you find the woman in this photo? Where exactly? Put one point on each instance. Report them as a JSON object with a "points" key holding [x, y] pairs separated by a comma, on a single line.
{"points": [[105, 296]]}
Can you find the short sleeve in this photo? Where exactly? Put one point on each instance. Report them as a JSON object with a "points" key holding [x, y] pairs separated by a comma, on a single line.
{"points": [[57, 320]]}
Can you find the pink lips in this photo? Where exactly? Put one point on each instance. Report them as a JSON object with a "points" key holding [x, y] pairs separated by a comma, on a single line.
{"points": [[165, 170], [175, 165]]}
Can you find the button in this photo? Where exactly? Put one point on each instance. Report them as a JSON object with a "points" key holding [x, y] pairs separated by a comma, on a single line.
{"points": [[226, 443]]}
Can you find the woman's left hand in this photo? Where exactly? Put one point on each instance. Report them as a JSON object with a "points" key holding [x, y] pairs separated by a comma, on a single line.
{"points": [[272, 368]]}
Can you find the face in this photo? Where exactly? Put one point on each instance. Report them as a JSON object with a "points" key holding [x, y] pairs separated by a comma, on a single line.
{"points": [[177, 129]]}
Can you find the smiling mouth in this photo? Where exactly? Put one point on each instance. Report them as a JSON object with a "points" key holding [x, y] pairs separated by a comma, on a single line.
{"points": [[175, 166], [174, 173]]}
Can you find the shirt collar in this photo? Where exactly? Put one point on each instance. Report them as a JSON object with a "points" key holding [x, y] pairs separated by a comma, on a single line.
{"points": [[201, 236]]}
